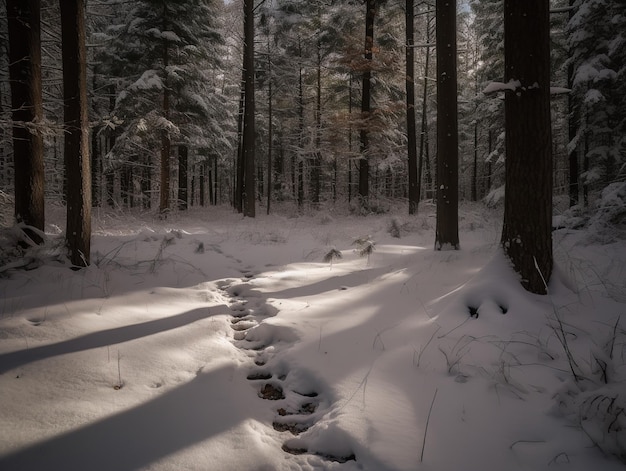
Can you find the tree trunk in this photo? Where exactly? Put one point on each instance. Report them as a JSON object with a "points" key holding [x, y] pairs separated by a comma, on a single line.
{"points": [[316, 170], [77, 162], [239, 167], [572, 130], [270, 137], [474, 184], [414, 190], [364, 171], [447, 232], [350, 156], [249, 201], [27, 112], [423, 153], [183, 184], [164, 204], [301, 130], [527, 231]]}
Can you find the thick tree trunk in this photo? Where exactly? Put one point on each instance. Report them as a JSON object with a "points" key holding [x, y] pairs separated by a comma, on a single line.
{"points": [[364, 172], [527, 231], [249, 200], [27, 112], [447, 231], [414, 190], [77, 162]]}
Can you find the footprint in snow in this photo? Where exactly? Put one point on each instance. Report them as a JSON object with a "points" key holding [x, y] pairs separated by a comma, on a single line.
{"points": [[298, 405]]}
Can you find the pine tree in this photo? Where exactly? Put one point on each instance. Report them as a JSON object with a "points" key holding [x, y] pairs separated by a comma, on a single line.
{"points": [[27, 113], [163, 60], [447, 232], [414, 187], [527, 230], [597, 41], [77, 169], [248, 145]]}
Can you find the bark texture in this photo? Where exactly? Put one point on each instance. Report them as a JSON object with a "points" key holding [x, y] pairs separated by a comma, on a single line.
{"points": [[447, 231], [27, 112], [76, 144], [527, 231]]}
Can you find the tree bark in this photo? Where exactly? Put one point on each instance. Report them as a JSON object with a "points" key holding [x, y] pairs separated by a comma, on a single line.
{"points": [[270, 130], [527, 230], [27, 112], [183, 187], [447, 231], [411, 131], [164, 205], [364, 172], [239, 168], [249, 200], [76, 149], [572, 131], [424, 156]]}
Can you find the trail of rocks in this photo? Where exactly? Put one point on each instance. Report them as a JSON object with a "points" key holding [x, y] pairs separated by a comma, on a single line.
{"points": [[296, 408]]}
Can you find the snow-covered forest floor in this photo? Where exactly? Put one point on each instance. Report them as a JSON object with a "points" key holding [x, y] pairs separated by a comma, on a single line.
{"points": [[213, 342]]}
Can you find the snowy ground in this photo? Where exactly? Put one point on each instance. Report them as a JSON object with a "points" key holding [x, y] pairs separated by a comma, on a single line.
{"points": [[212, 342]]}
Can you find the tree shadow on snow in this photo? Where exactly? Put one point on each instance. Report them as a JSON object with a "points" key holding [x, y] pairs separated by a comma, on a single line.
{"points": [[144, 434], [103, 338]]}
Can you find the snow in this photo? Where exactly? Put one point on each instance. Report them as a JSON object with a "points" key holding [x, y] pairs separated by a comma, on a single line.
{"points": [[211, 341], [495, 87]]}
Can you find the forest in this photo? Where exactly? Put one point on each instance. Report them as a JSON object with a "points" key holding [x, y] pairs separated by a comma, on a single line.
{"points": [[277, 235], [327, 124]]}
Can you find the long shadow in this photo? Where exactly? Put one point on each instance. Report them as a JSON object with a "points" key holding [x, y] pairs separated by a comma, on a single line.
{"points": [[329, 284], [102, 338], [135, 438]]}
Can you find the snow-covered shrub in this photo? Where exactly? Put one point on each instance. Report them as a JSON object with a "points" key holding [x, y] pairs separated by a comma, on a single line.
{"points": [[395, 227], [610, 209], [495, 197], [594, 398]]}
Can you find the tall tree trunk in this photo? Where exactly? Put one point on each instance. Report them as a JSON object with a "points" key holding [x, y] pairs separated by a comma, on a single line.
{"points": [[183, 184], [164, 205], [249, 200], [27, 112], [414, 190], [572, 130], [316, 171], [423, 153], [301, 130], [364, 171], [96, 153], [447, 231], [201, 184], [239, 167], [270, 130], [350, 156], [474, 184], [527, 230], [77, 162]]}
